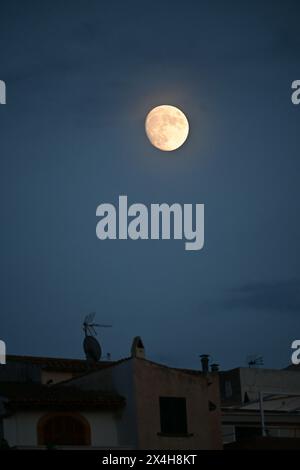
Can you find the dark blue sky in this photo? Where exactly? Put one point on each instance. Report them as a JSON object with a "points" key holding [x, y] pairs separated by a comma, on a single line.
{"points": [[81, 77]]}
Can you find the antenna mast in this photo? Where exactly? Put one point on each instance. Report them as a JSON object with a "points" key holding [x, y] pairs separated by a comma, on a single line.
{"points": [[91, 346]]}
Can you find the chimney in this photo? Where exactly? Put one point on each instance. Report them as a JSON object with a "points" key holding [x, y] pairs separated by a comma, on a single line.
{"points": [[137, 348], [214, 367], [204, 361]]}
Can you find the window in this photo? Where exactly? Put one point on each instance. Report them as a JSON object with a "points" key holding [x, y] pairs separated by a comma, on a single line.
{"points": [[63, 429], [173, 419], [228, 389]]}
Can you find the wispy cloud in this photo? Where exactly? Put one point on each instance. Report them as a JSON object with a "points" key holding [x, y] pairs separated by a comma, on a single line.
{"points": [[281, 296]]}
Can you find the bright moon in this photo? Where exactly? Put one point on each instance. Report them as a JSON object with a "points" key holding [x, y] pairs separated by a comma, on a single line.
{"points": [[166, 127]]}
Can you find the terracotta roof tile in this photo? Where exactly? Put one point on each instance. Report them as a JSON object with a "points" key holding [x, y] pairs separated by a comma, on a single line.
{"points": [[58, 363], [34, 395]]}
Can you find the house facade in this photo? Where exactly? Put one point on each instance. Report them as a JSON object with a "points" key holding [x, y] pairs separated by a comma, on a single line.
{"points": [[260, 403], [133, 403], [166, 408]]}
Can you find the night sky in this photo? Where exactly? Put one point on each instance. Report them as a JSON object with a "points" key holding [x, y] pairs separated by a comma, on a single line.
{"points": [[81, 77]]}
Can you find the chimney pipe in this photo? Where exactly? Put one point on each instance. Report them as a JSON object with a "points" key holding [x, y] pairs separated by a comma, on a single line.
{"points": [[204, 361], [214, 367]]}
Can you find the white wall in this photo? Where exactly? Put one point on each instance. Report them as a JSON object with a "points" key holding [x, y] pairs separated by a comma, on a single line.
{"points": [[20, 429], [120, 379], [103, 429], [268, 380]]}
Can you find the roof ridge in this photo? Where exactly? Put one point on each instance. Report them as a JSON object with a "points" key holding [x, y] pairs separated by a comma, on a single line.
{"points": [[46, 358]]}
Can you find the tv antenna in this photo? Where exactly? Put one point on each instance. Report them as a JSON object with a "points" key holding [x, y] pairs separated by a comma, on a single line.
{"points": [[255, 360], [91, 345]]}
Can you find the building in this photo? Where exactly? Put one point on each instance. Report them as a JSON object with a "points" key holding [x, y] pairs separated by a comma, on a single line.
{"points": [[262, 406], [133, 403], [45, 370], [39, 415]]}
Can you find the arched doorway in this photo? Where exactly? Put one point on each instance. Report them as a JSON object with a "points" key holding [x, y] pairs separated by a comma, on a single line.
{"points": [[70, 429]]}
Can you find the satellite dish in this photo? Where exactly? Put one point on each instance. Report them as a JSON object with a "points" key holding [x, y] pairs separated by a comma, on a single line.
{"points": [[92, 349], [91, 346]]}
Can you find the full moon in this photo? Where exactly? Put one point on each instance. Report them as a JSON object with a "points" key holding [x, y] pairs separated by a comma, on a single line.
{"points": [[167, 127]]}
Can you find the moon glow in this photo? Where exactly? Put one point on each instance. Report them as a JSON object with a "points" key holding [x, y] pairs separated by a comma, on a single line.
{"points": [[166, 127]]}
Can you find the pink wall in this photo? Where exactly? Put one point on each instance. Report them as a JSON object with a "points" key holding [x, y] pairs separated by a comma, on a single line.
{"points": [[152, 381]]}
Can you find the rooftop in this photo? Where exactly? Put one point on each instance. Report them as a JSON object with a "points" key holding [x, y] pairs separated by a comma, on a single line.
{"points": [[29, 395], [58, 363]]}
